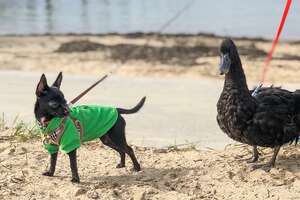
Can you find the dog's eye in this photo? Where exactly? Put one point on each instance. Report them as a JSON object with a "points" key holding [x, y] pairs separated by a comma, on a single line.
{"points": [[53, 104]]}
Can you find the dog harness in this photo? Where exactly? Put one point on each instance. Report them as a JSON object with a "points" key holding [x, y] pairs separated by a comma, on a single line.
{"points": [[84, 123]]}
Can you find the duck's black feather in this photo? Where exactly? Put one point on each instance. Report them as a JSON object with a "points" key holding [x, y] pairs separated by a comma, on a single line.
{"points": [[275, 119]]}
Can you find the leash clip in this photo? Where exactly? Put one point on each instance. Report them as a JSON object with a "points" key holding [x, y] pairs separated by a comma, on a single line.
{"points": [[254, 93]]}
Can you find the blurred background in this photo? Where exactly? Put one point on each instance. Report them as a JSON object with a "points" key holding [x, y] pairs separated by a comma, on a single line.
{"points": [[254, 18], [164, 49]]}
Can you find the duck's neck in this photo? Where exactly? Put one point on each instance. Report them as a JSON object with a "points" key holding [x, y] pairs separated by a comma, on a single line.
{"points": [[235, 78]]}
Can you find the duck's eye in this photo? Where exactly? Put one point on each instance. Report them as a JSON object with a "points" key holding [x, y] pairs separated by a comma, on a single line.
{"points": [[53, 104]]}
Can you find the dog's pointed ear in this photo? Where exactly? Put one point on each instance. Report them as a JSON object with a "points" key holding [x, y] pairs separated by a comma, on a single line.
{"points": [[42, 86], [58, 80]]}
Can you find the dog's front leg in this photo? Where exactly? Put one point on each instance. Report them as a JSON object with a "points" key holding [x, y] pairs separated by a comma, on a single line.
{"points": [[73, 164], [53, 160]]}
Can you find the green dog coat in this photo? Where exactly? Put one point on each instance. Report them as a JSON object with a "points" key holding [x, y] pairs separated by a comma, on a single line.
{"points": [[95, 121]]}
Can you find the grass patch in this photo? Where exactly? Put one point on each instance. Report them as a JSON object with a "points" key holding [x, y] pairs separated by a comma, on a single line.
{"points": [[18, 130], [2, 123], [24, 132], [187, 146]]}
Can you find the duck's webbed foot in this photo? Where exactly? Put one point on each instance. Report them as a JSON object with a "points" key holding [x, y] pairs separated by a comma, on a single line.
{"points": [[267, 167]]}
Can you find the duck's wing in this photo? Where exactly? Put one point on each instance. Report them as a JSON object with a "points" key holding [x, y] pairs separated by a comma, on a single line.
{"points": [[275, 116]]}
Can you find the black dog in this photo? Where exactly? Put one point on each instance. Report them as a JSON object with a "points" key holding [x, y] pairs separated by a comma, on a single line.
{"points": [[51, 103]]}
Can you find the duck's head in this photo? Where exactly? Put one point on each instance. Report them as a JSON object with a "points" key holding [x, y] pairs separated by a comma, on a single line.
{"points": [[227, 54]]}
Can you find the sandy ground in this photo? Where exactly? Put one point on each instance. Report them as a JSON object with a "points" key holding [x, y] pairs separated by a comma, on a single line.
{"points": [[166, 174], [144, 55]]}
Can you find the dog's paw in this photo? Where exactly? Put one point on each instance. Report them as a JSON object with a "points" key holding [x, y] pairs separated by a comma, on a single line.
{"points": [[47, 173], [75, 180], [137, 168], [120, 165]]}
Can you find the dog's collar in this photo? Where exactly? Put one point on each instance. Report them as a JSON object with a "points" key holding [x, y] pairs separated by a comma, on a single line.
{"points": [[55, 136]]}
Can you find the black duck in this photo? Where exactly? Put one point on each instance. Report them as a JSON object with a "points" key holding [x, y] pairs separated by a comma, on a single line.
{"points": [[269, 119]]}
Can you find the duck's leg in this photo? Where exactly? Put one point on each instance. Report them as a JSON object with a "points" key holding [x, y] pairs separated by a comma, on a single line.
{"points": [[271, 163], [267, 167], [255, 155]]}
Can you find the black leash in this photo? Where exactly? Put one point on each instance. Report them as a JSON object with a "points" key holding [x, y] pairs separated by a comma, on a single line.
{"points": [[87, 90]]}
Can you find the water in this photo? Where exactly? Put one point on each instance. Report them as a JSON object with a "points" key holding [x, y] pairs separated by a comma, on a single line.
{"points": [[255, 18]]}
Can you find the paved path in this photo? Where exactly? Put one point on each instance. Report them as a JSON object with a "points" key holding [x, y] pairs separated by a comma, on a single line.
{"points": [[176, 111]]}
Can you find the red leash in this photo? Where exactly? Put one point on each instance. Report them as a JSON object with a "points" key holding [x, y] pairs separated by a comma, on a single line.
{"points": [[275, 41]]}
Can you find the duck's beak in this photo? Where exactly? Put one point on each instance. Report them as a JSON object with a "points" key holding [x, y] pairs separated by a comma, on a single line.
{"points": [[225, 63]]}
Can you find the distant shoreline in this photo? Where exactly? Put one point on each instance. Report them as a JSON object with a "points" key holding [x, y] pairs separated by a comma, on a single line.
{"points": [[143, 34]]}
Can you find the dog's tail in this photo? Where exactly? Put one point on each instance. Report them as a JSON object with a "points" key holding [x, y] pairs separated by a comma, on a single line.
{"points": [[134, 109]]}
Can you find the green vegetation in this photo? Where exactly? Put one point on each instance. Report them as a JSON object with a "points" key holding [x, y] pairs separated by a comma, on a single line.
{"points": [[187, 146], [19, 130], [2, 123]]}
